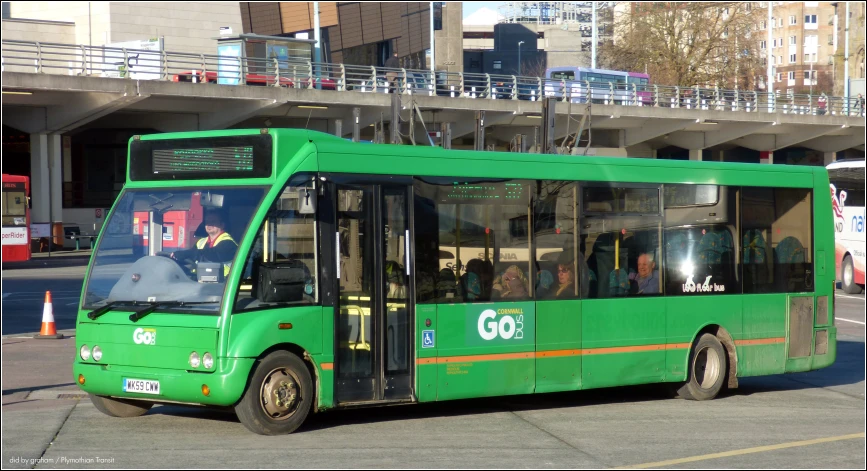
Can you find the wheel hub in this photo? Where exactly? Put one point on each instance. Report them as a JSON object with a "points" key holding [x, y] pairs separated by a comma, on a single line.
{"points": [[279, 395]]}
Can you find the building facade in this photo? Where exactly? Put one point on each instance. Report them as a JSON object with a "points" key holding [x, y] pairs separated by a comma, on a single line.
{"points": [[802, 46], [856, 48], [359, 33], [182, 26]]}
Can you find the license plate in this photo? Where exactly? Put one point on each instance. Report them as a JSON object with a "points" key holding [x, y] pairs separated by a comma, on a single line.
{"points": [[142, 386]]}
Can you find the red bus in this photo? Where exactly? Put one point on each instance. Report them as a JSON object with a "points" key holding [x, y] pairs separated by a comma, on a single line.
{"points": [[16, 218]]}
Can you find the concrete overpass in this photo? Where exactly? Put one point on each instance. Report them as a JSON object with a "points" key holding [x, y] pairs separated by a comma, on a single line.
{"points": [[52, 107]]}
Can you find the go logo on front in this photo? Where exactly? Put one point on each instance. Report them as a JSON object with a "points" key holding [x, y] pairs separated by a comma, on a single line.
{"points": [[509, 326], [144, 336]]}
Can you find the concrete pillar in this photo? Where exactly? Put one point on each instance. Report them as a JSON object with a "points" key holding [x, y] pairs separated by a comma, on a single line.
{"points": [[46, 177], [830, 157], [39, 182], [695, 154], [55, 161]]}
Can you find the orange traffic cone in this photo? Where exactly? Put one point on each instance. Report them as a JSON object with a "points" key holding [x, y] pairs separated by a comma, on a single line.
{"points": [[49, 331]]}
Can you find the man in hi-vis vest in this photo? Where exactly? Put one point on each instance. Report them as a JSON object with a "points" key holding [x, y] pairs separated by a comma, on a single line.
{"points": [[218, 247]]}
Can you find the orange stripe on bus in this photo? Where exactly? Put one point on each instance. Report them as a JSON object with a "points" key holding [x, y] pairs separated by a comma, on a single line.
{"points": [[327, 366], [558, 353], [579, 352], [760, 341]]}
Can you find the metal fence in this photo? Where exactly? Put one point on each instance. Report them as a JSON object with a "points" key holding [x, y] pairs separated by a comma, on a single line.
{"points": [[121, 63]]}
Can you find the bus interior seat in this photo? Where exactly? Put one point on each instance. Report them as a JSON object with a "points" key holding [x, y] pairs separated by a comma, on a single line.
{"points": [[715, 250], [789, 260], [602, 263]]}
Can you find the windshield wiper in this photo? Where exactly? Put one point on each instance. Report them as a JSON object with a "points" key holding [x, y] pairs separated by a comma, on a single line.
{"points": [[92, 315], [136, 316]]}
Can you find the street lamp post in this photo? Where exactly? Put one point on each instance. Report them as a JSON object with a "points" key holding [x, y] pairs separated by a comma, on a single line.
{"points": [[519, 56]]}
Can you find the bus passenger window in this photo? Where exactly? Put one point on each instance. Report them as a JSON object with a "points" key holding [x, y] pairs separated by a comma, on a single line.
{"points": [[777, 243], [282, 265], [700, 255], [472, 240], [561, 267]]}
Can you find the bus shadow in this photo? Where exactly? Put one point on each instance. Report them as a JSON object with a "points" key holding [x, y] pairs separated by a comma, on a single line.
{"points": [[848, 369]]}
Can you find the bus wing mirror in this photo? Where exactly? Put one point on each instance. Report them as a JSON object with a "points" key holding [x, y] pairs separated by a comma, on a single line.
{"points": [[306, 201]]}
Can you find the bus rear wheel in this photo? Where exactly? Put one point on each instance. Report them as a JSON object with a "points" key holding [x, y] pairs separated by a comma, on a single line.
{"points": [[278, 397], [707, 370], [118, 407], [848, 276]]}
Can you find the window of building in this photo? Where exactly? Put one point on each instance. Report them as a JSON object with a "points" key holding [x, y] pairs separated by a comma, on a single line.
{"points": [[777, 240], [473, 240], [793, 40], [793, 20], [282, 267], [811, 20], [793, 58], [498, 65], [763, 44], [763, 25], [792, 75]]}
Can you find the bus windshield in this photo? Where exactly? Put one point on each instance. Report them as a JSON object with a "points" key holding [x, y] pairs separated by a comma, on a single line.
{"points": [[171, 246]]}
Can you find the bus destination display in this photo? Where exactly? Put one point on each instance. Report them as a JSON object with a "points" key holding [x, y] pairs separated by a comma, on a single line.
{"points": [[209, 159], [464, 192]]}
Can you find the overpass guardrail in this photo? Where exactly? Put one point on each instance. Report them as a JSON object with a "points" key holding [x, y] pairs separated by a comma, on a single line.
{"points": [[122, 63]]}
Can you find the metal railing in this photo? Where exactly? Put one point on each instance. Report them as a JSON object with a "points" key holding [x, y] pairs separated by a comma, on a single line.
{"points": [[122, 63]]}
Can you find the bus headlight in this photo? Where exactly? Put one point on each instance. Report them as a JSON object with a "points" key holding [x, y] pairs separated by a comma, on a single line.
{"points": [[84, 352], [208, 361], [194, 360], [97, 353]]}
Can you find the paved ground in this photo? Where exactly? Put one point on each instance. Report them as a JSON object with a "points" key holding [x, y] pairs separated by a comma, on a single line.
{"points": [[806, 420]]}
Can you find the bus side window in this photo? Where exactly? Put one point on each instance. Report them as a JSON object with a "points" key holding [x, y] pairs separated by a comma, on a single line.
{"points": [[282, 265]]}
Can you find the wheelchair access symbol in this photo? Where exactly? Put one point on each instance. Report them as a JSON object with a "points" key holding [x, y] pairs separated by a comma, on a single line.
{"points": [[427, 339]]}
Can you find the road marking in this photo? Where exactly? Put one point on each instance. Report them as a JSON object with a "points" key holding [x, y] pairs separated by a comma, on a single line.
{"points": [[745, 451], [848, 320], [859, 298]]}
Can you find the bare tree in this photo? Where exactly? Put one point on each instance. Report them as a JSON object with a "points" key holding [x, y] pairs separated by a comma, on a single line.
{"points": [[687, 43]]}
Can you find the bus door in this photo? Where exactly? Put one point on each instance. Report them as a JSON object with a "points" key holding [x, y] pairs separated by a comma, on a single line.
{"points": [[373, 326]]}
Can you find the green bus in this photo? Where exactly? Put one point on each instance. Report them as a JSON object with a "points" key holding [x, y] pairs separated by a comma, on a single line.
{"points": [[284, 271]]}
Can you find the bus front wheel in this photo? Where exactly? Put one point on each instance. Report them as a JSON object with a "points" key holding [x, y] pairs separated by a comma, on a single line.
{"points": [[707, 369], [119, 408], [279, 396], [848, 278]]}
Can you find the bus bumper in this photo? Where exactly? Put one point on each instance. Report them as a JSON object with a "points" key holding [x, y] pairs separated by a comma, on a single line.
{"points": [[226, 384]]}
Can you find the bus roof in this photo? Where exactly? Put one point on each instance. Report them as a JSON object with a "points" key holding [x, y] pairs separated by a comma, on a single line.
{"points": [[848, 163], [435, 161]]}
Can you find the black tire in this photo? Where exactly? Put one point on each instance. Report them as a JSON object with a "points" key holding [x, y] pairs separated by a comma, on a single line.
{"points": [[708, 364], [847, 276], [119, 407], [280, 375]]}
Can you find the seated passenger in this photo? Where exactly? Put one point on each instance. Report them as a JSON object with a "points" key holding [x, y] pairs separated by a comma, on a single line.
{"points": [[544, 281], [565, 280], [514, 284], [647, 277], [218, 247]]}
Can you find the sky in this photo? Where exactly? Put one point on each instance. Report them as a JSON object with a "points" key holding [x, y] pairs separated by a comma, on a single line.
{"points": [[472, 7]]}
